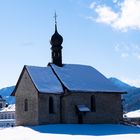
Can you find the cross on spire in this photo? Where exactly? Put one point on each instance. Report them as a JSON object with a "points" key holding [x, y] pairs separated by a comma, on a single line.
{"points": [[55, 17]]}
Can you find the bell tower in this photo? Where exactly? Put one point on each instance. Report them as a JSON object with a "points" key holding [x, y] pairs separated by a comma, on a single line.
{"points": [[56, 42]]}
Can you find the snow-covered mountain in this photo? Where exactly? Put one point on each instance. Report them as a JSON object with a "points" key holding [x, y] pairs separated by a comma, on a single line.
{"points": [[6, 92], [132, 98]]}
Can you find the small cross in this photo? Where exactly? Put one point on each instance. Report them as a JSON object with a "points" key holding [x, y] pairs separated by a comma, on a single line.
{"points": [[55, 17]]}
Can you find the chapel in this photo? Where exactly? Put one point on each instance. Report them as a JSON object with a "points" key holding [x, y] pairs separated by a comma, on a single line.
{"points": [[65, 93]]}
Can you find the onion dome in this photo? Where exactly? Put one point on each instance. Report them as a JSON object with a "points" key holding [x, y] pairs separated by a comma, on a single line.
{"points": [[56, 39]]}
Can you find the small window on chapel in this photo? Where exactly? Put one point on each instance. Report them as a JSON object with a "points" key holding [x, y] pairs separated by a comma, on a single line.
{"points": [[93, 103], [51, 105], [26, 105]]}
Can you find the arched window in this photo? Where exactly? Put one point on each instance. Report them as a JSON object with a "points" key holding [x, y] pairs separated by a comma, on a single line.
{"points": [[93, 103], [26, 105], [51, 105]]}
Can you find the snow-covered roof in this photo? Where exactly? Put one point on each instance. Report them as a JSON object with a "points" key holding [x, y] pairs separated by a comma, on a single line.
{"points": [[9, 108], [133, 114], [83, 108], [76, 78], [83, 78], [44, 79]]}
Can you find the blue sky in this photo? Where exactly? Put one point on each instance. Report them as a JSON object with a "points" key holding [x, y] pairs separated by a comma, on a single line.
{"points": [[101, 33]]}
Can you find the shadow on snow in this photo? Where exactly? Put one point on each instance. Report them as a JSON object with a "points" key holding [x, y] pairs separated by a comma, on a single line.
{"points": [[97, 130]]}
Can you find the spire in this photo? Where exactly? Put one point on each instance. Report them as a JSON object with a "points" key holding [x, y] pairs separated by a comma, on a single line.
{"points": [[56, 42], [55, 17]]}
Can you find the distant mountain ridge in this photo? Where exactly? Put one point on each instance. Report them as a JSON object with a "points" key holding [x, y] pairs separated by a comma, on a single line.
{"points": [[120, 84], [6, 92], [132, 98]]}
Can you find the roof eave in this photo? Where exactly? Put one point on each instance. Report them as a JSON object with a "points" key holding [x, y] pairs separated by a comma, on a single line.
{"points": [[84, 91], [58, 93]]}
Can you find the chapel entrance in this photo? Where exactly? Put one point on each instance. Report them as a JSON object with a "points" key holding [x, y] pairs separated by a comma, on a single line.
{"points": [[81, 111], [80, 118]]}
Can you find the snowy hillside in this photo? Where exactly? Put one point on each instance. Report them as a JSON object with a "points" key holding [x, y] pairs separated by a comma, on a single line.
{"points": [[71, 132], [6, 92]]}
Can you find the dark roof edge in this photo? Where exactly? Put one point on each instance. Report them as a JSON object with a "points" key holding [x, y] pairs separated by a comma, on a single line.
{"points": [[107, 92], [58, 93]]}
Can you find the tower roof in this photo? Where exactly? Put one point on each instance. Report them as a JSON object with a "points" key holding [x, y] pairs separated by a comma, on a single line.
{"points": [[56, 39]]}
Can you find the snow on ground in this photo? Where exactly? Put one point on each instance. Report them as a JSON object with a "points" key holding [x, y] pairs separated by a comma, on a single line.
{"points": [[71, 132], [133, 114]]}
